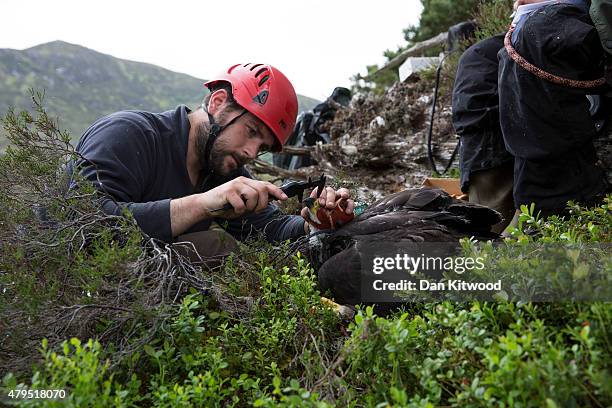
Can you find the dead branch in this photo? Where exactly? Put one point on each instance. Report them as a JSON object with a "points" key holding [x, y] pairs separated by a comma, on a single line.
{"points": [[297, 151], [262, 167], [416, 49]]}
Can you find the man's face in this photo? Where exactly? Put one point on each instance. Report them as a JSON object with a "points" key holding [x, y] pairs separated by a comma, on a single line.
{"points": [[237, 144]]}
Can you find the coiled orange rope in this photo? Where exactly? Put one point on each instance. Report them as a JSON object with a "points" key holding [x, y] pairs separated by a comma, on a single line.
{"points": [[547, 76]]}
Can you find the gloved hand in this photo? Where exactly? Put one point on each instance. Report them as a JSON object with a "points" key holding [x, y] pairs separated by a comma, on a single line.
{"points": [[331, 210]]}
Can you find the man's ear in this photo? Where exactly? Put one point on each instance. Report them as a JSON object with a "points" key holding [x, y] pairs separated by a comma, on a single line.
{"points": [[217, 100]]}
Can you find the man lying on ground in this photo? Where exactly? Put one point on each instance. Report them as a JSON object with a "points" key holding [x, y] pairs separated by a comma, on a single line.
{"points": [[172, 169]]}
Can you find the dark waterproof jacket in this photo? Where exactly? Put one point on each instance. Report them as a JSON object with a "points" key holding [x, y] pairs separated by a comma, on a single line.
{"points": [[476, 110], [546, 127]]}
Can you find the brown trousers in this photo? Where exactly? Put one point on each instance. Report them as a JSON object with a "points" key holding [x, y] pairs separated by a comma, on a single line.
{"points": [[205, 246], [493, 188]]}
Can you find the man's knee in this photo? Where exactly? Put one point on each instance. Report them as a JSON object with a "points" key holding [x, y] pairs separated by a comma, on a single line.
{"points": [[477, 67], [562, 40], [475, 100], [206, 245], [485, 49]]}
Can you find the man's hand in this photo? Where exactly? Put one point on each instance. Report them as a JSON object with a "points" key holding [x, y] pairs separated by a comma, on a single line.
{"points": [[330, 198], [244, 194]]}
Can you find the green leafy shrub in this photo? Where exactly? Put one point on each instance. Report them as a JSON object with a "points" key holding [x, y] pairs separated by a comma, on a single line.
{"points": [[80, 371], [255, 332], [492, 18], [487, 355]]}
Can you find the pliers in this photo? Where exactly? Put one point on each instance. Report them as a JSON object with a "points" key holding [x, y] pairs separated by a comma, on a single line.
{"points": [[291, 189], [297, 188]]}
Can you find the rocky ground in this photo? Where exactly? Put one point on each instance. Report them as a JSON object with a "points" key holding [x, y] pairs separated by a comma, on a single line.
{"points": [[379, 143]]}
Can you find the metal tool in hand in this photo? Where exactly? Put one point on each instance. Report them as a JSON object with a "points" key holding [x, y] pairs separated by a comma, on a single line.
{"points": [[291, 189]]}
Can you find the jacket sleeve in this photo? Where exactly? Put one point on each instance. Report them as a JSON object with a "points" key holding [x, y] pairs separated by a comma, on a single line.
{"points": [[271, 222], [601, 14], [117, 157]]}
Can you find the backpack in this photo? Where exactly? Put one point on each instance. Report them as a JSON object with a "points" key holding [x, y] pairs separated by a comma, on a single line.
{"points": [[307, 130]]}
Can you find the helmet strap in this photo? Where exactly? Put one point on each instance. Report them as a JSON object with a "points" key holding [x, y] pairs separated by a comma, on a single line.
{"points": [[213, 134]]}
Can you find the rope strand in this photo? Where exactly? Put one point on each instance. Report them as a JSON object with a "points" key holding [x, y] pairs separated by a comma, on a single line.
{"points": [[547, 76]]}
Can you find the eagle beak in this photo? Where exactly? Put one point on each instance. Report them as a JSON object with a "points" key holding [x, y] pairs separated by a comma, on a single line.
{"points": [[309, 202], [313, 206]]}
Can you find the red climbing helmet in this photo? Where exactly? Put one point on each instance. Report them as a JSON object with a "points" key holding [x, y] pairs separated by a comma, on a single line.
{"points": [[265, 92]]}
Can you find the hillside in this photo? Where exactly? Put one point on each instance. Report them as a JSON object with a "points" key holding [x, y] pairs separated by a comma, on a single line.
{"points": [[82, 84], [95, 313]]}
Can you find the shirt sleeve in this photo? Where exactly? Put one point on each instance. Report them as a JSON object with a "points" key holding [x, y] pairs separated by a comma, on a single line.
{"points": [[117, 157], [601, 14], [271, 222]]}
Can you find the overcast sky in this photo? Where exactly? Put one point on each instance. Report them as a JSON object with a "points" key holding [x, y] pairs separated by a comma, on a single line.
{"points": [[318, 44]]}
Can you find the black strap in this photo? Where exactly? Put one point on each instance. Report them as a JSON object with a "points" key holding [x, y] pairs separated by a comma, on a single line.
{"points": [[213, 133], [430, 155]]}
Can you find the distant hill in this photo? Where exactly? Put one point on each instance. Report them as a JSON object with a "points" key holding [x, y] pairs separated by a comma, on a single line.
{"points": [[82, 85]]}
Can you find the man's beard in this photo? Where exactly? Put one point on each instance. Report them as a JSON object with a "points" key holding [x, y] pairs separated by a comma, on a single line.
{"points": [[218, 153]]}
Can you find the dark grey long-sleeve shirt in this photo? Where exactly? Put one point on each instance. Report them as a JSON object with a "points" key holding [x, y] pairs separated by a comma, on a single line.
{"points": [[141, 162]]}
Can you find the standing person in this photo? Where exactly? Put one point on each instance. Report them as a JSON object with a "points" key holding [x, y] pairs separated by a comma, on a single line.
{"points": [[550, 61], [485, 165], [509, 114], [171, 169]]}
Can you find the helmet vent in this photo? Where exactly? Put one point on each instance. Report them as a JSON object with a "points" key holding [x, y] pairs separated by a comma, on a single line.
{"points": [[263, 80], [261, 71], [255, 66], [229, 71]]}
